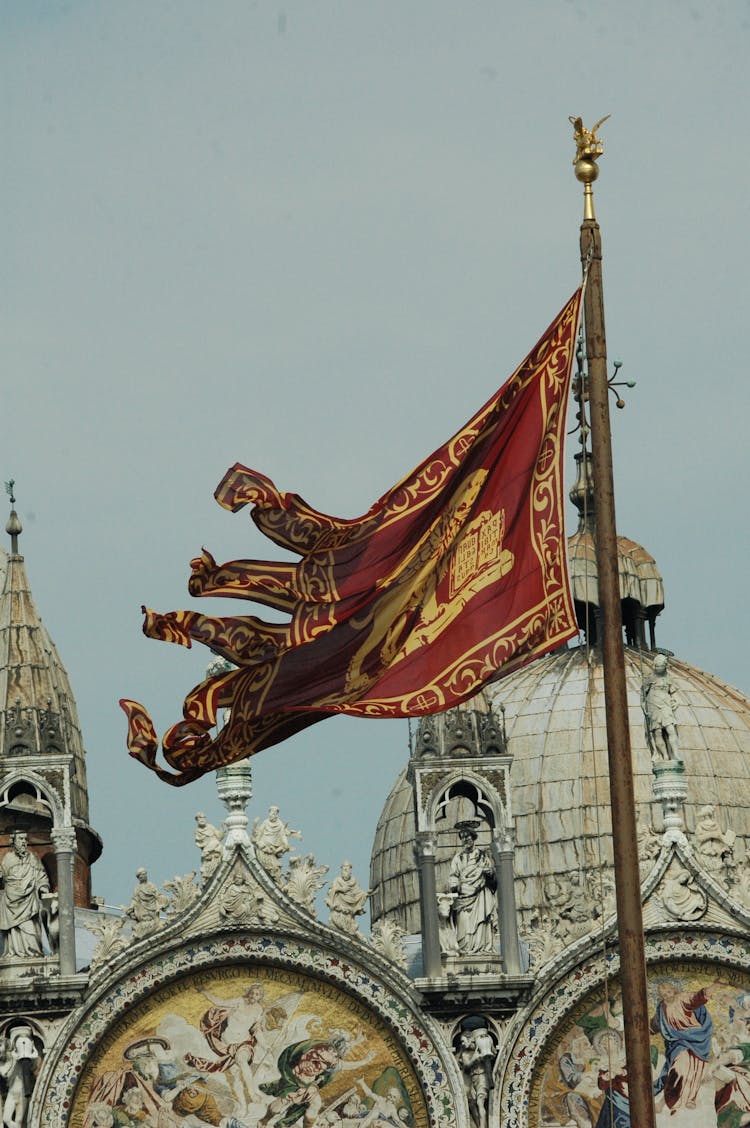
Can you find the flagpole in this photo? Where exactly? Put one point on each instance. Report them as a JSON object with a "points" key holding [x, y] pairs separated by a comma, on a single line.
{"points": [[624, 835]]}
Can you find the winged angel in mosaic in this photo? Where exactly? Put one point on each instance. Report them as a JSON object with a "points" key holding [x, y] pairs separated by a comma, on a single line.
{"points": [[253, 1060]]}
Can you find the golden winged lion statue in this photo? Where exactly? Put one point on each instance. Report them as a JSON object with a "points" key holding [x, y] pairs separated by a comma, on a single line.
{"points": [[588, 145]]}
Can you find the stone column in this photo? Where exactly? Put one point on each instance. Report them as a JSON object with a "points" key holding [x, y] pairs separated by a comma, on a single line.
{"points": [[235, 787], [670, 788], [64, 841], [502, 854], [425, 850]]}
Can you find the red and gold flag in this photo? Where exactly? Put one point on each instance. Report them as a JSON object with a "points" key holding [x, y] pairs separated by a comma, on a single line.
{"points": [[454, 577]]}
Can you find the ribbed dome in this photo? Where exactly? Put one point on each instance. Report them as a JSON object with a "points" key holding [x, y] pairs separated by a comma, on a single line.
{"points": [[554, 716]]}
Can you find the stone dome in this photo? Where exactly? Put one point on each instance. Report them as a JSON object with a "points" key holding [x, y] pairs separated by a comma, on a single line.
{"points": [[555, 723]]}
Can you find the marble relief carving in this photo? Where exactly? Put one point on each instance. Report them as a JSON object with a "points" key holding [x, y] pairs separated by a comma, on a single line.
{"points": [[714, 847], [388, 938], [304, 879]]}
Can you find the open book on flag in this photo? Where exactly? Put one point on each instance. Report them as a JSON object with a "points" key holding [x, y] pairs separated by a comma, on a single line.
{"points": [[452, 578]]}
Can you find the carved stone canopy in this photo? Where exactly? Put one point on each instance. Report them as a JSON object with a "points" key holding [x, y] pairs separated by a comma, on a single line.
{"points": [[468, 730]]}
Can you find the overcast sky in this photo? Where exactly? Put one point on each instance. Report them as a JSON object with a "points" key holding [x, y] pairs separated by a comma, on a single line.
{"points": [[314, 237]]}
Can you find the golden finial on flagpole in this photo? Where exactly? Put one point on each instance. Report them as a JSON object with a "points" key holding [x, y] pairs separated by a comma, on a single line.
{"points": [[588, 150]]}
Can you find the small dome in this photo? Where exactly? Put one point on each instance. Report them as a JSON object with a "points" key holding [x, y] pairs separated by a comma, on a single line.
{"points": [[640, 579], [555, 722], [641, 584]]}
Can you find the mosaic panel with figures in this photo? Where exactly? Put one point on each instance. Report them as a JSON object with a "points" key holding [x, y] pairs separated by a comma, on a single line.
{"points": [[700, 1053], [241, 1046]]}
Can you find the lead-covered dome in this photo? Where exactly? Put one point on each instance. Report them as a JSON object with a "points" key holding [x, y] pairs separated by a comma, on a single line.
{"points": [[555, 724]]}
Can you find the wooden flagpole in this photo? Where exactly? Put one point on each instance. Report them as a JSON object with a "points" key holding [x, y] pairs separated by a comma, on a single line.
{"points": [[624, 835]]}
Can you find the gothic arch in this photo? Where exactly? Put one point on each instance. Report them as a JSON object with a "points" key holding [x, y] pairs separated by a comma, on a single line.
{"points": [[466, 795], [29, 783]]}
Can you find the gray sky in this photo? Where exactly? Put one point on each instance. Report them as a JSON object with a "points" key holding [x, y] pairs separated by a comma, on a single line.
{"points": [[314, 237]]}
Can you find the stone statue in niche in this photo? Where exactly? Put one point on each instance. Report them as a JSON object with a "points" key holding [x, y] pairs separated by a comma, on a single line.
{"points": [[208, 839], [476, 1053], [472, 879], [658, 695], [346, 900], [271, 841], [24, 883], [145, 906], [19, 1062]]}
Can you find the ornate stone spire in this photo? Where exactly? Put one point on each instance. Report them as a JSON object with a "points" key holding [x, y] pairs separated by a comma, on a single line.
{"points": [[42, 766]]}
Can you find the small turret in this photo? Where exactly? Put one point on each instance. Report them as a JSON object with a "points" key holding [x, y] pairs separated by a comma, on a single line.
{"points": [[641, 584], [43, 790]]}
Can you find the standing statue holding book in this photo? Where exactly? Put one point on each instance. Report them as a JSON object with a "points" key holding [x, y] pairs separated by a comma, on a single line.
{"points": [[472, 881], [23, 882]]}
